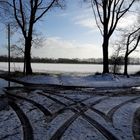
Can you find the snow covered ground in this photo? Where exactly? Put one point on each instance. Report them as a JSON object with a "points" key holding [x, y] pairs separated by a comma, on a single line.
{"points": [[72, 114], [106, 80], [46, 114]]}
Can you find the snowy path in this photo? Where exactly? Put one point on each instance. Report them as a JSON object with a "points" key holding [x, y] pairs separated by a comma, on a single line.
{"points": [[65, 115]]}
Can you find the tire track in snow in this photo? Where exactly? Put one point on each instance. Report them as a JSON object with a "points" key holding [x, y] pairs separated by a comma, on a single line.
{"points": [[39, 106], [107, 134], [113, 110], [58, 134], [136, 124], [54, 99], [27, 128]]}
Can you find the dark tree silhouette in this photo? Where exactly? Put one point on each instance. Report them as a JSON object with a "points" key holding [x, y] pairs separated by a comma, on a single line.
{"points": [[116, 60], [116, 63], [107, 15], [132, 42], [26, 14]]}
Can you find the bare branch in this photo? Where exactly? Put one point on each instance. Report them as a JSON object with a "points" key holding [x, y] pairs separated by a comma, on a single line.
{"points": [[96, 18], [45, 11], [98, 11], [17, 19], [22, 14]]}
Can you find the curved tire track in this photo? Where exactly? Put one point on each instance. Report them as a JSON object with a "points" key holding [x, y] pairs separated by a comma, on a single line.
{"points": [[90, 107], [53, 99], [113, 110], [136, 124], [39, 106], [100, 128], [27, 128], [58, 134]]}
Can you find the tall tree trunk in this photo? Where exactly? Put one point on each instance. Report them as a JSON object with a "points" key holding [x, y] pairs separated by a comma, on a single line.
{"points": [[114, 70], [105, 56], [126, 60], [28, 55], [24, 65], [125, 65]]}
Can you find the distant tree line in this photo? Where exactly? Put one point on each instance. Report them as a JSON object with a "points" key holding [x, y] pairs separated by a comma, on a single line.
{"points": [[112, 60], [52, 60]]}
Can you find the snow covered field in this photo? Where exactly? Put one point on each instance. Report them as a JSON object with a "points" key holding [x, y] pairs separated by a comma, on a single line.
{"points": [[64, 68]]}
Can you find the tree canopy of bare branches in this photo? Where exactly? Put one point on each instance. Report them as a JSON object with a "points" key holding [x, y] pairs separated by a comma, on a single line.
{"points": [[26, 14], [132, 42], [107, 14]]}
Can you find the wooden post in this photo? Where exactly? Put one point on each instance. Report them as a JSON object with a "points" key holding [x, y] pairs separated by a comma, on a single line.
{"points": [[9, 49], [9, 53]]}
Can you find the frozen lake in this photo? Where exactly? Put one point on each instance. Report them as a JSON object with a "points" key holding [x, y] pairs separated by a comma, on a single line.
{"points": [[63, 68]]}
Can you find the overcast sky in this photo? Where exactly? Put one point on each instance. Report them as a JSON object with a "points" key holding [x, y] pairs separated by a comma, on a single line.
{"points": [[69, 33]]}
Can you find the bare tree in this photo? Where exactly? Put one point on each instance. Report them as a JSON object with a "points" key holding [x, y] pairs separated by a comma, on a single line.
{"points": [[132, 42], [26, 14], [107, 15], [116, 59]]}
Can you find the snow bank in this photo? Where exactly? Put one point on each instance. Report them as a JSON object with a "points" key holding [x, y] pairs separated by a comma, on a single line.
{"points": [[105, 80]]}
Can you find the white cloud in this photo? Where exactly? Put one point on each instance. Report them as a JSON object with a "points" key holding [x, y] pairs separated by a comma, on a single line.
{"points": [[85, 19], [88, 22], [62, 14], [55, 47], [127, 21]]}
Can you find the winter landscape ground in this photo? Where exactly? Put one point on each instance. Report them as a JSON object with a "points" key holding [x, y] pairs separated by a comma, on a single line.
{"points": [[53, 107]]}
